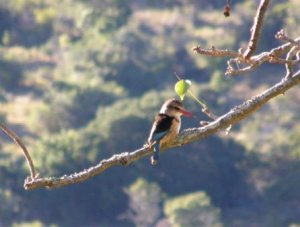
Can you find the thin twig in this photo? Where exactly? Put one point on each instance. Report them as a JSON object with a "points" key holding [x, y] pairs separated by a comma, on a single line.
{"points": [[289, 56], [293, 51], [284, 61], [230, 71], [18, 141], [187, 136], [282, 36], [251, 63], [256, 28], [205, 110], [213, 52], [273, 56]]}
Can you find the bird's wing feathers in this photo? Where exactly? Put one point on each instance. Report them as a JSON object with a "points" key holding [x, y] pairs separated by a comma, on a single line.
{"points": [[161, 127], [158, 136]]}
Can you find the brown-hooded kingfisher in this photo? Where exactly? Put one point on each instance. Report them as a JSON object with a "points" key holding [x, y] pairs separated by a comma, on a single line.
{"points": [[166, 125]]}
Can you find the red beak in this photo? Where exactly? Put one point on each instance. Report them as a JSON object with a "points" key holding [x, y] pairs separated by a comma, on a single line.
{"points": [[186, 113]]}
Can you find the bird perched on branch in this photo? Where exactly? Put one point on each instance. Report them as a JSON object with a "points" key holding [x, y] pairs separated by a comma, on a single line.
{"points": [[166, 126]]}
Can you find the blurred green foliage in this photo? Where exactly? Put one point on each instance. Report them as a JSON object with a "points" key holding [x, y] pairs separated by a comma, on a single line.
{"points": [[194, 209], [145, 201], [82, 80]]}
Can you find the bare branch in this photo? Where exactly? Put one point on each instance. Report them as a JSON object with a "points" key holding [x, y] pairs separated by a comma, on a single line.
{"points": [[284, 48], [293, 51], [118, 159], [187, 136], [282, 36], [230, 71], [284, 61], [239, 112], [256, 28], [213, 52], [272, 57], [289, 57], [18, 141]]}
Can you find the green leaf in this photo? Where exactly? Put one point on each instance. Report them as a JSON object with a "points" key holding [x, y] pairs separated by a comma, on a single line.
{"points": [[181, 88]]}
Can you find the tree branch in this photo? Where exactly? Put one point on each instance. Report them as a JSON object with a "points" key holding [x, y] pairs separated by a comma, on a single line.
{"points": [[289, 57], [213, 52], [282, 36], [293, 51], [272, 56], [18, 141], [186, 136], [256, 28]]}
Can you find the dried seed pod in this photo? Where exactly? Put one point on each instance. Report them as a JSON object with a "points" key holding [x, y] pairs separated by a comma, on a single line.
{"points": [[227, 11]]}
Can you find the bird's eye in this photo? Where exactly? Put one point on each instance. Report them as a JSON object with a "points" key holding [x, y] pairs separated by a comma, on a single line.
{"points": [[176, 108]]}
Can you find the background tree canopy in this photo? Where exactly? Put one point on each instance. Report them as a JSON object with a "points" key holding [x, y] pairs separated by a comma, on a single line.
{"points": [[81, 80]]}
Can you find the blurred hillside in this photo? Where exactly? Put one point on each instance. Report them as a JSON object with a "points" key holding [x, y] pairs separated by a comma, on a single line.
{"points": [[82, 80]]}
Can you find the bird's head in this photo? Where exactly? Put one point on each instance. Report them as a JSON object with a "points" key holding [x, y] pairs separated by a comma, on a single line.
{"points": [[174, 108]]}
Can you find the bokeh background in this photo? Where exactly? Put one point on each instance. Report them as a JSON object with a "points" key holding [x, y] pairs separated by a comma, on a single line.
{"points": [[82, 80]]}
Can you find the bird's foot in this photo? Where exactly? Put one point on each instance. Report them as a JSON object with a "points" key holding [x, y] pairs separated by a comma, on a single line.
{"points": [[147, 144]]}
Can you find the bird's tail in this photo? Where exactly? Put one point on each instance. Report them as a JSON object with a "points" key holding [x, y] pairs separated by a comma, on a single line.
{"points": [[154, 157]]}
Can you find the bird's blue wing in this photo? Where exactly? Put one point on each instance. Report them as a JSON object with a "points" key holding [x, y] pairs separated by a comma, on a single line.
{"points": [[159, 129], [156, 136]]}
